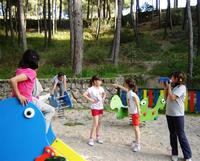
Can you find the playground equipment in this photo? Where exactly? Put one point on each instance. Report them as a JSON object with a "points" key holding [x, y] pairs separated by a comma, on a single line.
{"points": [[58, 102], [147, 114], [23, 136], [151, 96]]}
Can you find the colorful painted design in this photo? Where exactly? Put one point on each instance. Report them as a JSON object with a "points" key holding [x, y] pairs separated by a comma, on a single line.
{"points": [[147, 114], [24, 133]]}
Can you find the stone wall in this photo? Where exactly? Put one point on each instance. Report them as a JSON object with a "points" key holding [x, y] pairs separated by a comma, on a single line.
{"points": [[76, 86]]}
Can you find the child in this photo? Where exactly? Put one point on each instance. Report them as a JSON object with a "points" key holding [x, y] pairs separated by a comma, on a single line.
{"points": [[133, 109], [59, 84], [96, 95], [23, 83], [175, 115]]}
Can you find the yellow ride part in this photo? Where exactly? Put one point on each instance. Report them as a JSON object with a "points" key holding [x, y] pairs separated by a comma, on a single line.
{"points": [[65, 151]]}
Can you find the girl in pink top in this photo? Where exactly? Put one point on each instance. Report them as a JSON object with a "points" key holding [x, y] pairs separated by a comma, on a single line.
{"points": [[23, 83]]}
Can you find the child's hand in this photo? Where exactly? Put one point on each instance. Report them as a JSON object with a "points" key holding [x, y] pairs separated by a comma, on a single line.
{"points": [[94, 101], [23, 100]]}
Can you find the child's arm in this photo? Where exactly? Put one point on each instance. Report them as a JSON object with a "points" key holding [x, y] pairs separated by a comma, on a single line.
{"points": [[65, 83], [13, 82], [104, 95], [54, 87], [137, 104], [121, 87], [86, 95]]}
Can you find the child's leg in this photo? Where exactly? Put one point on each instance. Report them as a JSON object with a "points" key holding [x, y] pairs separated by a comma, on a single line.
{"points": [[98, 127], [137, 134], [47, 110], [94, 126]]}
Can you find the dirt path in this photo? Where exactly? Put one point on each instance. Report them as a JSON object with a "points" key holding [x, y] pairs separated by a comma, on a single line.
{"points": [[118, 135]]}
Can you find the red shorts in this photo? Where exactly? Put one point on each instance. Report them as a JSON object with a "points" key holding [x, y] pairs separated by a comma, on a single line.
{"points": [[135, 119], [96, 112]]}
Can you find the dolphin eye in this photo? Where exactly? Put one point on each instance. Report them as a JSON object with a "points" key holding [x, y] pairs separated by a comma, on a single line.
{"points": [[143, 103], [29, 113], [163, 101]]}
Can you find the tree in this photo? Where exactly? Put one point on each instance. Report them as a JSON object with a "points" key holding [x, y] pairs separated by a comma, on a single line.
{"points": [[168, 18], [3, 12], [45, 22], [135, 26], [49, 22], [98, 27], [185, 16], [198, 26], [22, 31], [71, 18], [88, 9], [78, 38], [108, 13], [60, 13], [10, 19], [175, 3], [116, 41], [190, 36]]}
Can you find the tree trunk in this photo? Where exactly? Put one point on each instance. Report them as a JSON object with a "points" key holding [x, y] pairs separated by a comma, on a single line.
{"points": [[175, 3], [6, 16], [190, 37], [10, 20], [71, 18], [78, 38], [26, 11], [92, 9], [159, 14], [60, 13], [135, 27], [108, 10], [104, 9], [137, 12], [45, 23], [55, 19], [198, 26], [88, 9], [49, 22], [116, 42], [52, 15], [168, 18], [98, 27], [22, 31], [3, 13], [185, 17]]}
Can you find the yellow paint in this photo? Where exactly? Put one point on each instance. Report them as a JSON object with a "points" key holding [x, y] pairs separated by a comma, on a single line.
{"points": [[144, 93], [161, 92], [186, 102], [64, 150]]}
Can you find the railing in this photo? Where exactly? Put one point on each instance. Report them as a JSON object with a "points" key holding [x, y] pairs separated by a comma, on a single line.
{"points": [[192, 100]]}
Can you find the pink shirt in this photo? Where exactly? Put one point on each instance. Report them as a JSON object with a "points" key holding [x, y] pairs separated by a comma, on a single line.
{"points": [[26, 87]]}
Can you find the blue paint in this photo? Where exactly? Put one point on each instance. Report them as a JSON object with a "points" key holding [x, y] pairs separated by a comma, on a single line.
{"points": [[22, 139], [164, 80], [68, 100], [140, 93], [156, 94], [51, 137], [198, 101], [123, 96], [54, 102]]}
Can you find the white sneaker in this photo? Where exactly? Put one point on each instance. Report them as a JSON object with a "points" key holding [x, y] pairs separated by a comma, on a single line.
{"points": [[136, 148], [133, 144], [91, 142], [174, 157], [99, 140], [189, 159]]}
